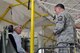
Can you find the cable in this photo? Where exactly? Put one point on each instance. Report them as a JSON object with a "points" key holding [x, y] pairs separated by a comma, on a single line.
{"points": [[28, 4]]}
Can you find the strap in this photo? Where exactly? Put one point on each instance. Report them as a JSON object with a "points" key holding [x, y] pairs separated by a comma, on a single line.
{"points": [[13, 42]]}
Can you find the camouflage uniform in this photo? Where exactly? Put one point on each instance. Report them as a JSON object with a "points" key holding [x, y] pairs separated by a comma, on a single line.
{"points": [[64, 29]]}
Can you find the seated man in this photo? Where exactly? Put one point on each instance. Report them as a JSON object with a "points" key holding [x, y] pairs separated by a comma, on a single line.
{"points": [[17, 38]]}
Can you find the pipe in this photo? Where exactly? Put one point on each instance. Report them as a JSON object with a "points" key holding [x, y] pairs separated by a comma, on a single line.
{"points": [[32, 27], [6, 11]]}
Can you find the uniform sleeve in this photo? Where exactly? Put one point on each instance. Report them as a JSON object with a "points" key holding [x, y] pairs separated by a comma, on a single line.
{"points": [[60, 25]]}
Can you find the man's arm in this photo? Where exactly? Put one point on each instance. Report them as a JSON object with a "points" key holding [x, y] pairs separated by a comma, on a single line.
{"points": [[60, 25]]}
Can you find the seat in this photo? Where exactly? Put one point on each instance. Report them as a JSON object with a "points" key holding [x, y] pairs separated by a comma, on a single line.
{"points": [[11, 38], [12, 41], [1, 45]]}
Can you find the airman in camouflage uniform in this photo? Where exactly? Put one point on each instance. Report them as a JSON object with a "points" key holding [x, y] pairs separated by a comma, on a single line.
{"points": [[64, 29]]}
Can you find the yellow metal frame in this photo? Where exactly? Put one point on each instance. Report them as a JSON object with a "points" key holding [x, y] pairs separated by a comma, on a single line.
{"points": [[6, 11], [24, 25], [50, 37], [8, 21], [27, 7], [32, 27], [13, 5], [4, 14], [32, 22]]}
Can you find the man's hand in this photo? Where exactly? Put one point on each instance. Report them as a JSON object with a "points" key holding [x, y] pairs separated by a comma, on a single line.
{"points": [[77, 25]]}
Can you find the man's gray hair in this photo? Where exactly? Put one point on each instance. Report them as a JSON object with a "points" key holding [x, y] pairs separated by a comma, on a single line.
{"points": [[17, 26]]}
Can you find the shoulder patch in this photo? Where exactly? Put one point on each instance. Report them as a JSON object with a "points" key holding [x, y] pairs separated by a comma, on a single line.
{"points": [[60, 18]]}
